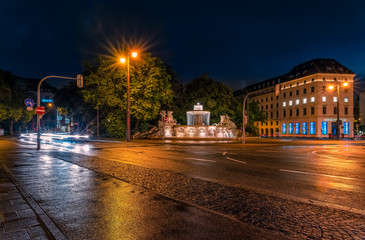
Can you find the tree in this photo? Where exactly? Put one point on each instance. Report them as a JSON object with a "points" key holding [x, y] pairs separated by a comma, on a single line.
{"points": [[12, 108], [105, 86], [254, 114], [215, 96]]}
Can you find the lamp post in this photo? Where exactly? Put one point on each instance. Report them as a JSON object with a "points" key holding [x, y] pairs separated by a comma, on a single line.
{"points": [[331, 87], [79, 84], [123, 60], [244, 116]]}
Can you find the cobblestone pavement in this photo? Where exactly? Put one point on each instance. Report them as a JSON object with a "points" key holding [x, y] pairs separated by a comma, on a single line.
{"points": [[294, 219], [17, 218]]}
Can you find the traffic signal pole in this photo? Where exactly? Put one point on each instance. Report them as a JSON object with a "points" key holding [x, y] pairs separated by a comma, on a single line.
{"points": [[79, 79]]}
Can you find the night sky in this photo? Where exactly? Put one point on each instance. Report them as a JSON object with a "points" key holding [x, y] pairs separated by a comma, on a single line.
{"points": [[236, 42]]}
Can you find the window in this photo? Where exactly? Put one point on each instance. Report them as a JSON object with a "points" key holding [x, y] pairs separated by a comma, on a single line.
{"points": [[290, 103], [346, 128], [324, 99], [304, 101], [324, 79], [304, 128], [284, 104], [334, 99], [312, 110], [290, 112], [313, 99], [312, 79], [297, 112], [304, 111], [262, 124], [324, 110], [271, 115], [312, 89], [271, 123], [267, 99], [271, 106], [277, 105], [266, 106], [335, 110], [284, 113], [290, 93], [324, 127], [312, 128], [284, 128], [277, 115], [290, 128], [262, 100], [304, 91], [346, 99], [346, 110], [284, 95], [271, 98], [297, 92], [262, 107], [297, 102], [297, 128]]}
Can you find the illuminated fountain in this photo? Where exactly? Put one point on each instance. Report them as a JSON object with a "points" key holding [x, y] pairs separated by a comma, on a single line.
{"points": [[197, 125]]}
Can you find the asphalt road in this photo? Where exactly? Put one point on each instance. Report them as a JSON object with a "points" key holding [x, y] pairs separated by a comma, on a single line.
{"points": [[300, 189], [325, 173]]}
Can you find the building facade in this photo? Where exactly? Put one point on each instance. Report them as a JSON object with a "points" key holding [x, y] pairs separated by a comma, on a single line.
{"points": [[305, 102]]}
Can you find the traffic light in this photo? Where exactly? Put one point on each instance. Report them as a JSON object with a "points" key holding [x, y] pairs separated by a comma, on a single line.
{"points": [[80, 80]]}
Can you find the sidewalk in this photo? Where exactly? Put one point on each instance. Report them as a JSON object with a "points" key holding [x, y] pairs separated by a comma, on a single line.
{"points": [[17, 218]]}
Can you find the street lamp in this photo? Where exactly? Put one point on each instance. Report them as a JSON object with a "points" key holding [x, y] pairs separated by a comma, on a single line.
{"points": [[123, 60], [244, 117], [332, 87]]}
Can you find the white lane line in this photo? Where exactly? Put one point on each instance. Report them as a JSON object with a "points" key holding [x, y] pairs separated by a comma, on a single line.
{"points": [[224, 153], [203, 160], [235, 160], [317, 174]]}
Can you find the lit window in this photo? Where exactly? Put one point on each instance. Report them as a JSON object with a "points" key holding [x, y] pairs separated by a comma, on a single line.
{"points": [[346, 128], [346, 99], [304, 128], [334, 99], [312, 128], [324, 127], [290, 103], [324, 99], [313, 99], [284, 128], [284, 104], [304, 100], [290, 128], [297, 102]]}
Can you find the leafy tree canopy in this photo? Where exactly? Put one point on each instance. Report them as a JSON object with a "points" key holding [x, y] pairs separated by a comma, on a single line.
{"points": [[215, 96]]}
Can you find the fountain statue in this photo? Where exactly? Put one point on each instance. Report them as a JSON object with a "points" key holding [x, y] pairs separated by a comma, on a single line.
{"points": [[197, 125]]}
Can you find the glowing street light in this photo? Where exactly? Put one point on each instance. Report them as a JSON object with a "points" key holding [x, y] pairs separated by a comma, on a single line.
{"points": [[124, 60], [332, 87]]}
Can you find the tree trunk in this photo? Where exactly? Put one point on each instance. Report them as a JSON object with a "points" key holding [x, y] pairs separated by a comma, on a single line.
{"points": [[97, 121], [137, 125], [11, 128]]}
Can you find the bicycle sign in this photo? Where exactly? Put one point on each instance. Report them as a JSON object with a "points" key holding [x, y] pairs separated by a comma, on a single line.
{"points": [[29, 102]]}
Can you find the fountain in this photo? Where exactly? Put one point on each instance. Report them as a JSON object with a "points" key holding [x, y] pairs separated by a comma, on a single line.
{"points": [[197, 125]]}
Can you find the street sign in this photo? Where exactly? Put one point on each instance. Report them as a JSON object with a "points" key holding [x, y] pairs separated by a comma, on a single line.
{"points": [[40, 110], [29, 108], [29, 102]]}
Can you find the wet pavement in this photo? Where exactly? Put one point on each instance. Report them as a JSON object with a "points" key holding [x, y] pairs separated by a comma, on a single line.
{"points": [[84, 203]]}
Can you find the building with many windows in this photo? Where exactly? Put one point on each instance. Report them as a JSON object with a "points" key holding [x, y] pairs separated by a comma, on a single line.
{"points": [[307, 101]]}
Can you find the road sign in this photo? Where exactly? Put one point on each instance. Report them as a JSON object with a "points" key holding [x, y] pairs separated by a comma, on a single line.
{"points": [[30, 108], [40, 110], [29, 102]]}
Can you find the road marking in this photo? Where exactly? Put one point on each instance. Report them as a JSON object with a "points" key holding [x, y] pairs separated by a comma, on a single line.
{"points": [[266, 151], [203, 160], [235, 160], [317, 174]]}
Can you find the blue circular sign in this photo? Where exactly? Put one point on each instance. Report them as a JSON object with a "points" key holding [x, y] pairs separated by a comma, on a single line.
{"points": [[29, 102]]}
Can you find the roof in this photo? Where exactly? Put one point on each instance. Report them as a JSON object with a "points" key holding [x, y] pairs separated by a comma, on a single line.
{"points": [[305, 69]]}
